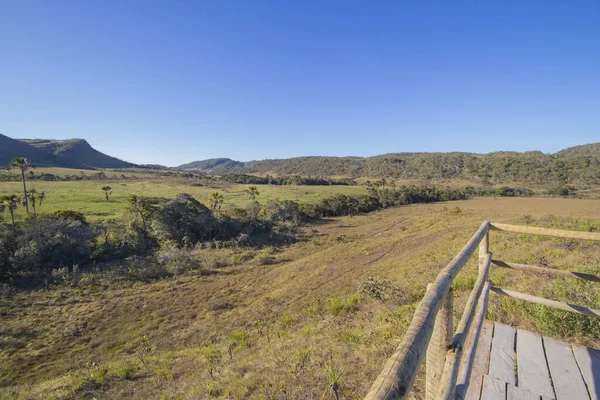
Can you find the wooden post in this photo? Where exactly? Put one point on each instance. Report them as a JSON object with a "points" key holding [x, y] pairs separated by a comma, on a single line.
{"points": [[484, 249], [441, 339]]}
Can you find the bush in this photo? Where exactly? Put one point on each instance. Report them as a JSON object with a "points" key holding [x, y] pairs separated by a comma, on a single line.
{"points": [[376, 287], [55, 241], [124, 370], [178, 261], [184, 220]]}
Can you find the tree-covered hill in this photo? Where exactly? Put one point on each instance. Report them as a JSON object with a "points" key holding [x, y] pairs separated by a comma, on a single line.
{"points": [[72, 153], [576, 165]]}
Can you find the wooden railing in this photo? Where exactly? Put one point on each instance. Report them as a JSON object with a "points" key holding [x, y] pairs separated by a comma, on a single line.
{"points": [[429, 335]]}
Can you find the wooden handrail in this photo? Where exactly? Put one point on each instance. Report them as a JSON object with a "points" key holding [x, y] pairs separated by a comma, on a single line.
{"points": [[398, 375], [547, 271], [400, 371], [545, 231], [547, 302]]}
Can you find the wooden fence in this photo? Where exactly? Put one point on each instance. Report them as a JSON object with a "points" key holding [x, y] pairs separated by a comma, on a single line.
{"points": [[430, 334]]}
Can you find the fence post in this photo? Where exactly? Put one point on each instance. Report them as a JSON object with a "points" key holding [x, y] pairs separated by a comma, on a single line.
{"points": [[484, 249], [441, 339]]}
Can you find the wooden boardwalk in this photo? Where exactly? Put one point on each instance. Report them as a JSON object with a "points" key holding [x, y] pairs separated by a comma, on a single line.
{"points": [[516, 364]]}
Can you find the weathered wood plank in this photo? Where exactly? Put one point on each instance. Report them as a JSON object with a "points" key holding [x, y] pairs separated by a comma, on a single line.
{"points": [[441, 339], [517, 393], [493, 389], [588, 361], [532, 371], [566, 378], [481, 363], [545, 231], [547, 302], [547, 271], [502, 356]]}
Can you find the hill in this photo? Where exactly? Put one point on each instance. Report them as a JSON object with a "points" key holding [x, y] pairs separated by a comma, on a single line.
{"points": [[71, 153], [575, 165], [213, 165]]}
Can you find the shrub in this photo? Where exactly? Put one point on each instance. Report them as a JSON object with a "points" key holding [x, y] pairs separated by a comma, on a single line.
{"points": [[338, 306], [46, 243], [124, 370], [376, 287], [184, 220], [178, 261]]}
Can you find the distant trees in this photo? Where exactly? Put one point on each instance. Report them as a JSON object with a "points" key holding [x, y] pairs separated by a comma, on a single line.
{"points": [[23, 165], [107, 190]]}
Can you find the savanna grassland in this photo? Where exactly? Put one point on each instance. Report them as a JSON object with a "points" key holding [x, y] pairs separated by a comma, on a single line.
{"points": [[88, 198], [286, 322]]}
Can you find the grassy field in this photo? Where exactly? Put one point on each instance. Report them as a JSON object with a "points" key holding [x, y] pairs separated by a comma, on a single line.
{"points": [[87, 196], [285, 323]]}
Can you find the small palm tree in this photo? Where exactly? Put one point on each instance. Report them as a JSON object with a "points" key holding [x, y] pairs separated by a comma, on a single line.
{"points": [[9, 202], [251, 193], [216, 201], [330, 181], [41, 197], [32, 195], [297, 180], [107, 191], [23, 165]]}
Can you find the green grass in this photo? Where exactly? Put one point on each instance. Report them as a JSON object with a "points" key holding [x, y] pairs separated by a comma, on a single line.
{"points": [[88, 198]]}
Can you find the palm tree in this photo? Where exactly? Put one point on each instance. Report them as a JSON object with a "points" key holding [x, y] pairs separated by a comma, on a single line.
{"points": [[41, 197], [9, 202], [297, 180], [251, 193], [24, 165], [330, 181], [216, 201], [32, 195], [107, 189]]}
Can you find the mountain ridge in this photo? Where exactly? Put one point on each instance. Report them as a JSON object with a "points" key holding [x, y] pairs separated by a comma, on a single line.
{"points": [[68, 153], [574, 164]]}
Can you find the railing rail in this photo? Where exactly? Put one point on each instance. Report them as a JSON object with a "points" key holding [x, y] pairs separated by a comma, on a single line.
{"points": [[399, 374], [429, 334]]}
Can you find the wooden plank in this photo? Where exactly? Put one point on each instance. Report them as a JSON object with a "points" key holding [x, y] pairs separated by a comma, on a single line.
{"points": [[532, 371], [566, 378], [518, 393], [502, 356], [480, 364], [545, 231], [493, 389], [547, 271], [588, 361], [547, 302]]}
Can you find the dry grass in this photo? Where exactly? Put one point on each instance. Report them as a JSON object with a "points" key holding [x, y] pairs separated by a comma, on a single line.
{"points": [[282, 330]]}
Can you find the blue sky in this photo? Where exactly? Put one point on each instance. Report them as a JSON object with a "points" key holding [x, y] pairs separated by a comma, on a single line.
{"points": [[174, 81]]}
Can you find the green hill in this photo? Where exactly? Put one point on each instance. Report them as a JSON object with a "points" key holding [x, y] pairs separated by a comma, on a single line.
{"points": [[575, 165], [71, 153]]}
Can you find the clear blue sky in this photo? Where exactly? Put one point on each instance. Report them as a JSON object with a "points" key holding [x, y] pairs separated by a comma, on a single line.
{"points": [[174, 81]]}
